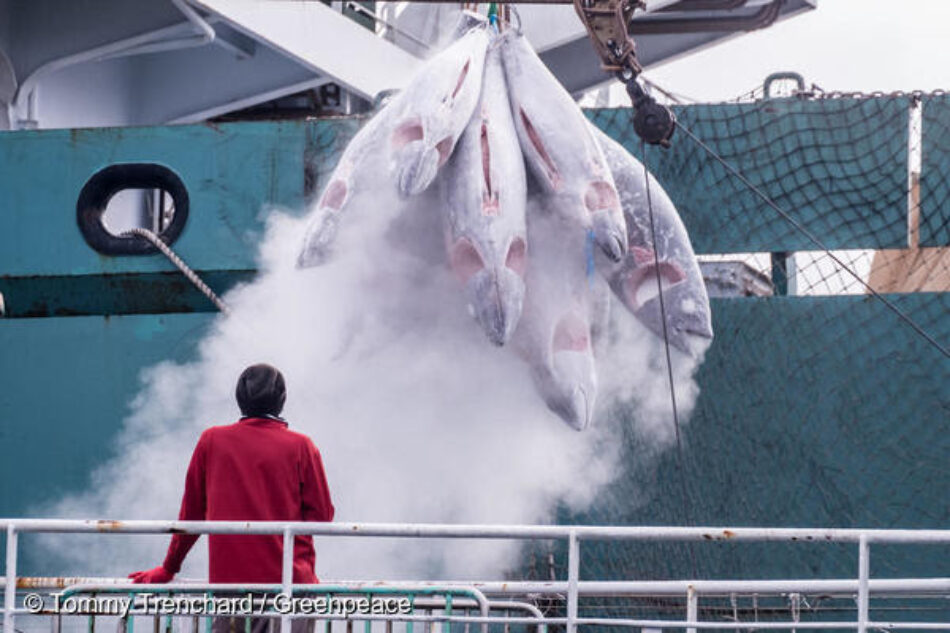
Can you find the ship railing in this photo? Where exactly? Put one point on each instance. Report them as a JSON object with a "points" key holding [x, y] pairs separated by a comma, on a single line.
{"points": [[861, 587], [425, 603]]}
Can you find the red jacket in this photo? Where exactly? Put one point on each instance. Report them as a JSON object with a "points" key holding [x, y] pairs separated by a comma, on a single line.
{"points": [[254, 470]]}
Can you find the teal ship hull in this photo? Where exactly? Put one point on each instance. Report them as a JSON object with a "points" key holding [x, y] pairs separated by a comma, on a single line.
{"points": [[813, 411]]}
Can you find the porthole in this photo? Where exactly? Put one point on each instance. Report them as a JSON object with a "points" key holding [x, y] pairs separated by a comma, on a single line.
{"points": [[120, 197]]}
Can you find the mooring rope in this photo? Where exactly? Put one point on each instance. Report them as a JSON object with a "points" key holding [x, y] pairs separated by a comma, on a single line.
{"points": [[191, 275]]}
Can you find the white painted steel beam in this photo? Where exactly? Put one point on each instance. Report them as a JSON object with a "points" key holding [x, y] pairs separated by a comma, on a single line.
{"points": [[486, 531], [287, 576], [251, 100], [573, 577], [837, 587], [198, 84], [9, 592], [321, 39]]}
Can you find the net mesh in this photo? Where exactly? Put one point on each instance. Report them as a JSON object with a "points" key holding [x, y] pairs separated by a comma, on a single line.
{"points": [[819, 405]]}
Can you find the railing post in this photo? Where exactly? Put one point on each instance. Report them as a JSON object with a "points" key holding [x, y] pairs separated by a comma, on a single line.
{"points": [[864, 573], [287, 575], [446, 626], [573, 576], [9, 594], [795, 605], [692, 607]]}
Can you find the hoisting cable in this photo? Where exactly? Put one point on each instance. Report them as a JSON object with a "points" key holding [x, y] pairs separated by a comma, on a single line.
{"points": [[191, 275], [607, 23], [687, 515], [817, 242], [511, 9]]}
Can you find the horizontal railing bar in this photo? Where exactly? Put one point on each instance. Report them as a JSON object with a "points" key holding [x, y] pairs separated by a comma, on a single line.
{"points": [[468, 603], [319, 588], [427, 530], [535, 616], [613, 588], [618, 622], [618, 588], [759, 625], [721, 587], [509, 605]]}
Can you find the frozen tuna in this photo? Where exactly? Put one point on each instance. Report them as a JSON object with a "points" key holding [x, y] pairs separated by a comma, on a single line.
{"points": [[428, 117], [355, 175], [559, 147], [554, 336], [541, 250], [670, 258], [420, 127], [483, 194]]}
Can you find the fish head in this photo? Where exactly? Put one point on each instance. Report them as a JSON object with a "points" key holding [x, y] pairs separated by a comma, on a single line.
{"points": [[415, 162], [685, 302], [572, 385], [434, 109], [688, 320], [318, 242], [610, 230], [496, 297], [495, 294]]}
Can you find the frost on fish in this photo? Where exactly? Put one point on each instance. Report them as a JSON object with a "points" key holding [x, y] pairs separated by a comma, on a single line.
{"points": [[419, 126], [483, 194], [555, 335], [428, 117], [354, 177], [672, 260], [560, 149], [540, 252]]}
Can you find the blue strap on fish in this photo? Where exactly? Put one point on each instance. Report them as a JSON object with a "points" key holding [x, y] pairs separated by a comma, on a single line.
{"points": [[589, 256], [493, 15]]}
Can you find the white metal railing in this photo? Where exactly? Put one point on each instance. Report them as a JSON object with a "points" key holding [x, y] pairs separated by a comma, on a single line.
{"points": [[861, 586]]}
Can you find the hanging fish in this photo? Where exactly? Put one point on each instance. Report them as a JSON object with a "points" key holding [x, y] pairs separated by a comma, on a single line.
{"points": [[554, 336], [559, 147], [599, 313], [428, 117], [355, 175], [470, 120], [483, 193], [634, 280], [436, 105]]}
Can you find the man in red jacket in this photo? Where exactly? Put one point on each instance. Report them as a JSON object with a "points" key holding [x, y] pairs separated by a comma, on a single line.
{"points": [[254, 470]]}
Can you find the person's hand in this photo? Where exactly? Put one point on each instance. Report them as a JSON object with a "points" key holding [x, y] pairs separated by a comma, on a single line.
{"points": [[157, 576]]}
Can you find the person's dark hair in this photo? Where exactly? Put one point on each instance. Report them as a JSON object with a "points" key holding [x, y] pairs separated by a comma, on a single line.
{"points": [[261, 391]]}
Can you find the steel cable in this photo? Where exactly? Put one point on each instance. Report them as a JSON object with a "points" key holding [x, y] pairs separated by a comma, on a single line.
{"points": [[669, 360]]}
